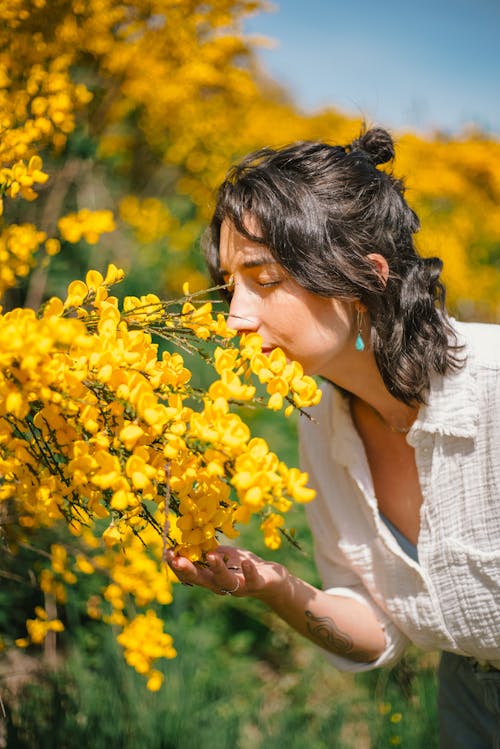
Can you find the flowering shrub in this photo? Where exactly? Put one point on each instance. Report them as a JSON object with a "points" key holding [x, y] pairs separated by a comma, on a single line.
{"points": [[97, 430], [94, 425]]}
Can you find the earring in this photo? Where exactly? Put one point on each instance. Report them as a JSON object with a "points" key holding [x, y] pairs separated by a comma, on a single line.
{"points": [[360, 344]]}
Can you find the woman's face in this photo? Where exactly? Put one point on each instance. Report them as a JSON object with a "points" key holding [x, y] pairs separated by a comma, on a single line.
{"points": [[318, 332]]}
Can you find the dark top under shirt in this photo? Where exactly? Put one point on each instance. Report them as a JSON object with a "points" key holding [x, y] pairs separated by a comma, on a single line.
{"points": [[408, 548]]}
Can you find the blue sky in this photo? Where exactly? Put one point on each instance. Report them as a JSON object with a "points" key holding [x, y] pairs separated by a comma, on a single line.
{"points": [[426, 65]]}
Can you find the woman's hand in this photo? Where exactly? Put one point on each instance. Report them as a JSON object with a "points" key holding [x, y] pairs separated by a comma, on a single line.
{"points": [[229, 570], [341, 625]]}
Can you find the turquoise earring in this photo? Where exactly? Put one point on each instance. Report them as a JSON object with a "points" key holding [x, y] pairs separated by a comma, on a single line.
{"points": [[360, 344]]}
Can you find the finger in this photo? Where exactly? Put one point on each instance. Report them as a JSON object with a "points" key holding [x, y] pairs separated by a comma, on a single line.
{"points": [[182, 570], [224, 579], [230, 555], [233, 556], [187, 572], [250, 573], [177, 563]]}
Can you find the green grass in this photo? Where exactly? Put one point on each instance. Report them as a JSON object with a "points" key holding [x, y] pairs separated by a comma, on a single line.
{"points": [[242, 680]]}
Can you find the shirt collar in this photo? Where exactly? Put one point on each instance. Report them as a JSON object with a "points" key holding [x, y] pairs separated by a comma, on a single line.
{"points": [[452, 408], [346, 444]]}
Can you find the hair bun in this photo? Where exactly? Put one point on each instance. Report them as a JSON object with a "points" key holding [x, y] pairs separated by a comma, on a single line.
{"points": [[376, 143]]}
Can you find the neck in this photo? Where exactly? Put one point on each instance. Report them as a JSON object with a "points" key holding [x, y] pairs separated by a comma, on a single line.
{"points": [[368, 392], [400, 426]]}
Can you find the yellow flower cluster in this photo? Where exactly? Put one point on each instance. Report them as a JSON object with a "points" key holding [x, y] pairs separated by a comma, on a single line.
{"points": [[39, 628], [38, 101], [149, 218], [87, 224], [137, 580], [18, 245], [95, 426], [20, 178], [42, 110], [455, 189], [284, 380], [20, 242], [144, 641], [136, 573]]}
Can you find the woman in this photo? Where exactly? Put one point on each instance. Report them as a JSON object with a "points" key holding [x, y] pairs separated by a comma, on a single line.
{"points": [[403, 450]]}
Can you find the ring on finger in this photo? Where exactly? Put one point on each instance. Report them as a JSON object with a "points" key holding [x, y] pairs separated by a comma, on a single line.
{"points": [[234, 568], [230, 592]]}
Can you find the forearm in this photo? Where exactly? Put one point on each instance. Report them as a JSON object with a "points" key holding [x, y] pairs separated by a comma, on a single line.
{"points": [[341, 625]]}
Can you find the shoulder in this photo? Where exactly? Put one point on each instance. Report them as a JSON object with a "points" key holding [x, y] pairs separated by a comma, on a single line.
{"points": [[481, 343], [480, 373], [466, 398]]}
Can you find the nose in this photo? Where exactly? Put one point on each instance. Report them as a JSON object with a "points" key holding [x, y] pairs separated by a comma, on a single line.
{"points": [[242, 314]]}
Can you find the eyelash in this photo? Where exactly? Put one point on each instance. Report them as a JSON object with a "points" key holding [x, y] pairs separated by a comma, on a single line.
{"points": [[269, 283], [263, 285]]}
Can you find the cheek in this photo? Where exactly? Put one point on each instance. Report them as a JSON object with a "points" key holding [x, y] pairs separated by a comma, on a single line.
{"points": [[330, 319], [293, 322], [303, 321], [325, 334]]}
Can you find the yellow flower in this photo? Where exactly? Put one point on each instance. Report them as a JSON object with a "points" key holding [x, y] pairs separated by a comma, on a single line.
{"points": [[295, 485], [155, 680], [230, 387], [52, 246], [275, 402], [77, 293], [131, 434], [270, 526], [384, 708], [39, 628], [20, 178], [111, 535], [250, 345], [260, 366], [278, 385], [225, 359], [113, 275], [83, 565]]}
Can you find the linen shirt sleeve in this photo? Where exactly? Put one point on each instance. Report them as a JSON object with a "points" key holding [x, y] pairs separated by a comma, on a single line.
{"points": [[339, 580], [331, 515]]}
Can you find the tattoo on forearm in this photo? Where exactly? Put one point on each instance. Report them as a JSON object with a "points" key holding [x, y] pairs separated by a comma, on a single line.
{"points": [[326, 633]]}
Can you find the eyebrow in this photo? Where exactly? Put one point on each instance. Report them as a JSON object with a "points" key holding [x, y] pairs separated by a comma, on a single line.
{"points": [[253, 263]]}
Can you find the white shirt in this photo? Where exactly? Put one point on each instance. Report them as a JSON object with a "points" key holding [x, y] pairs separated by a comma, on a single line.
{"points": [[450, 600]]}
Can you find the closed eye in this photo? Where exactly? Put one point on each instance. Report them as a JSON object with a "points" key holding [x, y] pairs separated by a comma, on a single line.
{"points": [[266, 284]]}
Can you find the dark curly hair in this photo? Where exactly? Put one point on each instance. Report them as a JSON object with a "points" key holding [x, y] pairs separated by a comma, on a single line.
{"points": [[321, 210]]}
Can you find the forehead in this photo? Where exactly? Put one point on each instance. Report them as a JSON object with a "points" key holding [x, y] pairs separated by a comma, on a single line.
{"points": [[237, 250]]}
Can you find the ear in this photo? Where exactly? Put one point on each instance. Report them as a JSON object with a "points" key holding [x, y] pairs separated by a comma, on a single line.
{"points": [[380, 266]]}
